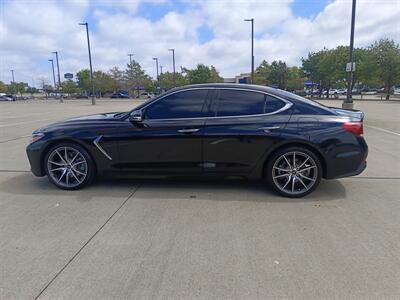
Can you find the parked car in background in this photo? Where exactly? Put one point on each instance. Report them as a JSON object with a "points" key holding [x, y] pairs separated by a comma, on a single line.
{"points": [[8, 97], [224, 130], [120, 95], [342, 91], [396, 91]]}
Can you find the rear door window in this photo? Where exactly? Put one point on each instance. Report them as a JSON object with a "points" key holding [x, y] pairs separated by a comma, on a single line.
{"points": [[238, 103]]}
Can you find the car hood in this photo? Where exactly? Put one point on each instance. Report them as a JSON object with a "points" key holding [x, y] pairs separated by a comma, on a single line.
{"points": [[80, 121]]}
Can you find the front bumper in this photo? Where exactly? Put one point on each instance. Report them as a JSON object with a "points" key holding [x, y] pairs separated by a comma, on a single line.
{"points": [[34, 153]]}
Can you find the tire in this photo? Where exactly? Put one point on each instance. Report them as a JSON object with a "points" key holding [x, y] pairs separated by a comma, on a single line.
{"points": [[293, 181], [69, 166]]}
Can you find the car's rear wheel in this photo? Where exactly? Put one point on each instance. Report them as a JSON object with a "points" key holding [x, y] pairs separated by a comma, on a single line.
{"points": [[69, 166], [294, 172]]}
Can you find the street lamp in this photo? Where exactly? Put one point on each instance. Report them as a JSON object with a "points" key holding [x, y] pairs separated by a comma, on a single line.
{"points": [[252, 48], [13, 80], [173, 65], [59, 79], [156, 59], [348, 102], [130, 58], [54, 76], [90, 61]]}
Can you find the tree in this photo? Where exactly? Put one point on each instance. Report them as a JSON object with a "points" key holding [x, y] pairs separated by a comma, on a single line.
{"points": [[296, 79], [262, 73], [278, 74], [3, 87], [69, 87], [167, 81], [103, 82], [202, 74], [386, 54], [135, 77], [83, 77], [118, 78]]}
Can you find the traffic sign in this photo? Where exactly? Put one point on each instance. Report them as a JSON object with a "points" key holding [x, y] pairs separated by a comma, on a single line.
{"points": [[350, 67], [68, 75]]}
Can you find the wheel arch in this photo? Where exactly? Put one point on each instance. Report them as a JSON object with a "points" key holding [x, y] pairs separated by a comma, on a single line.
{"points": [[305, 145]]}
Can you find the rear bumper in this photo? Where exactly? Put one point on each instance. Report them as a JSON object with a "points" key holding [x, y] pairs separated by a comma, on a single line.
{"points": [[349, 163]]}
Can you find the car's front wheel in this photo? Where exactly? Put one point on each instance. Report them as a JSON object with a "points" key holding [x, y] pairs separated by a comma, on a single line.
{"points": [[294, 172], [69, 166]]}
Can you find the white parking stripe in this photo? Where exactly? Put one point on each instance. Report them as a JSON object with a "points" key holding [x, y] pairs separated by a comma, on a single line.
{"points": [[384, 130]]}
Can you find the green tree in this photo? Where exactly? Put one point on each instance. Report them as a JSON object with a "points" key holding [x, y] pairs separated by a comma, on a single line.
{"points": [[135, 77], [83, 77], [118, 78], [296, 79], [261, 74], [278, 74], [386, 54], [167, 82], [202, 74], [69, 87], [3, 87], [103, 82]]}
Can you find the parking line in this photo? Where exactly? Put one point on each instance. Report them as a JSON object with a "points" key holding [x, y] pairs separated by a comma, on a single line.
{"points": [[131, 195], [384, 130]]}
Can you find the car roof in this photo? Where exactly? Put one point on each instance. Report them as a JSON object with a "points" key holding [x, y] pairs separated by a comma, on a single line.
{"points": [[252, 87]]}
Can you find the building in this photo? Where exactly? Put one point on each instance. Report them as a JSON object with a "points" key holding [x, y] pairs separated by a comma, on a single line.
{"points": [[242, 78]]}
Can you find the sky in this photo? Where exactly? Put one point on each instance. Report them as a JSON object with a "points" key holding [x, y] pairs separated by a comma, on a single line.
{"points": [[212, 32]]}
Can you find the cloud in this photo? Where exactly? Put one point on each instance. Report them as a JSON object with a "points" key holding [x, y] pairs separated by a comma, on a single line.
{"points": [[29, 31]]}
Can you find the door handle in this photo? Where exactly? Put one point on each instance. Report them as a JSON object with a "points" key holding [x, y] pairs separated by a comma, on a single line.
{"points": [[268, 128], [189, 130]]}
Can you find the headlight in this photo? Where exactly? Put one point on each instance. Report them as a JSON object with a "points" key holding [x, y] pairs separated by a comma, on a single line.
{"points": [[36, 136]]}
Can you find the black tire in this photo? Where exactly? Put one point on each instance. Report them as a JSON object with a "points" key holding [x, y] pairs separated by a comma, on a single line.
{"points": [[85, 160], [302, 187]]}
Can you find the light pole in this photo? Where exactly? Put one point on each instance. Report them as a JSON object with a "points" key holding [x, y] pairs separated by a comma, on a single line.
{"points": [[90, 61], [130, 58], [348, 102], [13, 80], [156, 59], [173, 65], [58, 72], [54, 76], [252, 48]]}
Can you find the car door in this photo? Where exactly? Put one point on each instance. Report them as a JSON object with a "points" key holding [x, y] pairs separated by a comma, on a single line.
{"points": [[169, 138], [244, 125]]}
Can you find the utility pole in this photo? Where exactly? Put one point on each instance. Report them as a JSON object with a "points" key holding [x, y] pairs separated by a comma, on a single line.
{"points": [[252, 48], [54, 76], [59, 79], [130, 58], [173, 64], [161, 69], [348, 102], [90, 61]]}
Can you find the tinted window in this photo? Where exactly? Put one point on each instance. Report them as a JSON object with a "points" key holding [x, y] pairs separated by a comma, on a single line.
{"points": [[272, 104], [234, 103], [186, 104]]}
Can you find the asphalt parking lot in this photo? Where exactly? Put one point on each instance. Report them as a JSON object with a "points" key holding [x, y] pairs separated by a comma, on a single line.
{"points": [[180, 239]]}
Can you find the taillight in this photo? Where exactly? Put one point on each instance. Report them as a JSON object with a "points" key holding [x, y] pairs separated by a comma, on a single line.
{"points": [[356, 128]]}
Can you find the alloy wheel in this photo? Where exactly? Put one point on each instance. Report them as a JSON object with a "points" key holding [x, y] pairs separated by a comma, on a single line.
{"points": [[294, 172], [67, 166]]}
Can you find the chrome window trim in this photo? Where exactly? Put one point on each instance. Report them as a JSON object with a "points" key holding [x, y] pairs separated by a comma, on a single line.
{"points": [[287, 105]]}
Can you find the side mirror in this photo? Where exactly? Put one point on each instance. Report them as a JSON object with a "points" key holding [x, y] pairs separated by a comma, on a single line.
{"points": [[136, 116]]}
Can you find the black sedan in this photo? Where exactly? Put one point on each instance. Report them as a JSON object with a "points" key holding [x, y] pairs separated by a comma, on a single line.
{"points": [[224, 130]]}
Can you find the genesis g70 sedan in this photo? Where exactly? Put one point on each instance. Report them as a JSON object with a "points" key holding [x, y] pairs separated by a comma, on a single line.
{"points": [[223, 130]]}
